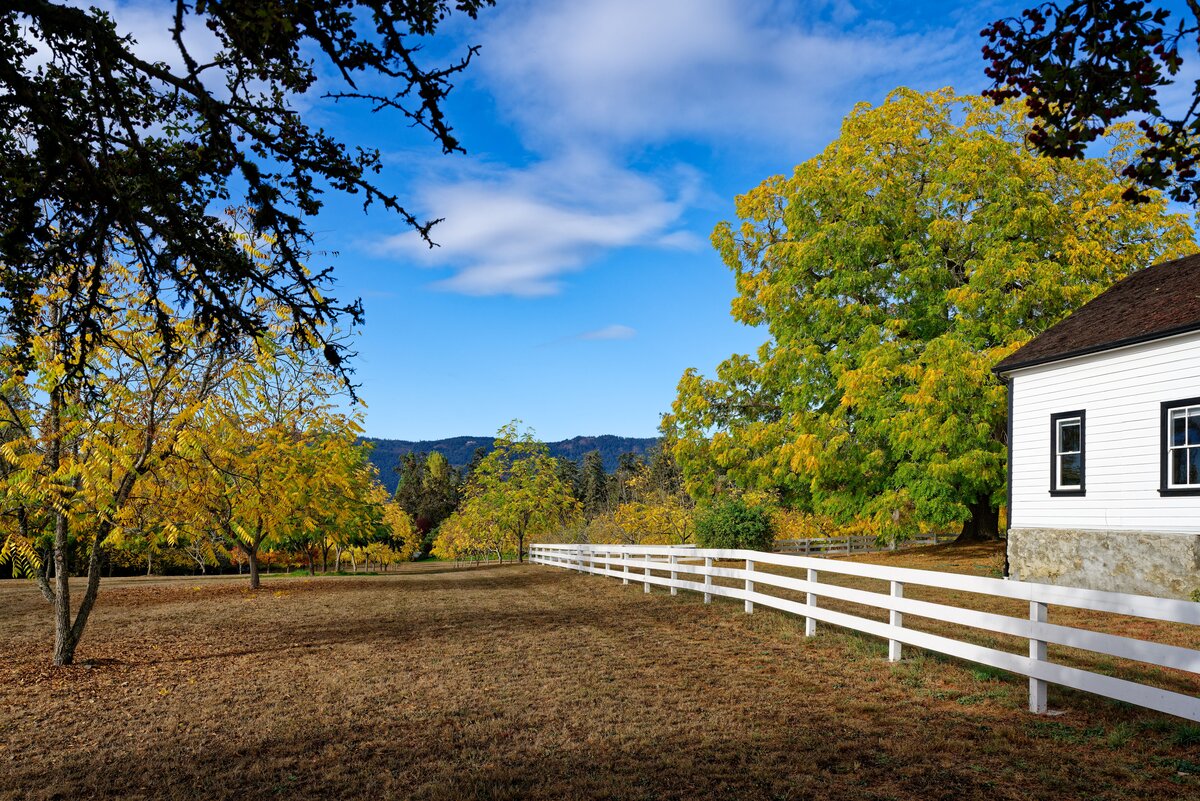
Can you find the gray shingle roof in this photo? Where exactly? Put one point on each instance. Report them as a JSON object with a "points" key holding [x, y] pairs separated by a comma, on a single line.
{"points": [[1156, 302]]}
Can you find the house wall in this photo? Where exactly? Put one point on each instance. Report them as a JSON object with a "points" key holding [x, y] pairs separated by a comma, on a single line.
{"points": [[1104, 538]]}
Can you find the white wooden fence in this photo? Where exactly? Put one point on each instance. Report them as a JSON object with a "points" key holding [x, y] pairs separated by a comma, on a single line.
{"points": [[853, 544], [663, 566]]}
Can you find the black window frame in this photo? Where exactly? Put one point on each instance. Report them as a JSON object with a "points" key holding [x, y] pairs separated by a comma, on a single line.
{"points": [[1164, 486], [1081, 490]]}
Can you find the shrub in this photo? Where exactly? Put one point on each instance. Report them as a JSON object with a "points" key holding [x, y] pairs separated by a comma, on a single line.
{"points": [[735, 524]]}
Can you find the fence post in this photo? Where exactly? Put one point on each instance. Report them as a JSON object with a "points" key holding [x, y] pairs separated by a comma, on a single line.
{"points": [[624, 568], [810, 623], [1037, 651], [649, 559], [707, 579], [896, 618], [749, 586], [674, 575]]}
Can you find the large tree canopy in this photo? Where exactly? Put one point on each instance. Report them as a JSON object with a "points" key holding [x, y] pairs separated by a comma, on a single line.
{"points": [[1085, 64], [108, 156], [892, 272]]}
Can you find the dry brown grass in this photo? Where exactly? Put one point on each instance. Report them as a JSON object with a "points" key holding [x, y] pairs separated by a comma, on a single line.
{"points": [[528, 682]]}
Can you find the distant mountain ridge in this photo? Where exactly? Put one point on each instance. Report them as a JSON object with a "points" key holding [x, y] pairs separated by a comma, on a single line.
{"points": [[386, 454]]}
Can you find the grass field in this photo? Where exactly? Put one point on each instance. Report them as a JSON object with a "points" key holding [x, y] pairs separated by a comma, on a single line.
{"points": [[511, 682]]}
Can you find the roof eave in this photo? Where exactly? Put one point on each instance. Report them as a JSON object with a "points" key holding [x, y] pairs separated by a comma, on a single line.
{"points": [[1003, 370]]}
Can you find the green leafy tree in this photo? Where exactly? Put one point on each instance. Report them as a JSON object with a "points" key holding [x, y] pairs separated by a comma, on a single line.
{"points": [[517, 490], [733, 523], [892, 271], [428, 492]]}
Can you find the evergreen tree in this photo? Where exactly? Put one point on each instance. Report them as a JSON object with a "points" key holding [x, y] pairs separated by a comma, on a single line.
{"points": [[571, 475], [595, 485], [440, 491], [413, 470], [428, 492], [665, 475], [629, 465]]}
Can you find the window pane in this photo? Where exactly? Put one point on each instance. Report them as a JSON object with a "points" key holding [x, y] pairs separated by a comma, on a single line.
{"points": [[1193, 428], [1068, 437], [1179, 467], [1068, 472], [1178, 422], [1194, 474]]}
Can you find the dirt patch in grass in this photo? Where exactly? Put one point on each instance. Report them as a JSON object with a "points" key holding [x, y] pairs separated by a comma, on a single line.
{"points": [[529, 682]]}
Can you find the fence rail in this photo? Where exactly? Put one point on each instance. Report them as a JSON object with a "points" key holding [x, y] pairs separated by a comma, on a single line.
{"points": [[852, 544], [664, 565]]}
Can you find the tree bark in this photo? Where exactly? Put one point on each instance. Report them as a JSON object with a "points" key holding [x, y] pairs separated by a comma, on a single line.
{"points": [[983, 524], [252, 558], [64, 646]]}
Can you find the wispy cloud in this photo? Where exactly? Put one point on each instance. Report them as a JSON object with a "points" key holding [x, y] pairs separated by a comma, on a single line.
{"points": [[517, 231], [626, 71], [596, 89], [614, 331]]}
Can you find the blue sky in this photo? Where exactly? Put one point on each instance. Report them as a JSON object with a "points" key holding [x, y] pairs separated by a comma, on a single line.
{"points": [[574, 282]]}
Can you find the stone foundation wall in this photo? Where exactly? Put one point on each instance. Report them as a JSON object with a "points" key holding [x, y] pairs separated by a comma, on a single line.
{"points": [[1141, 562]]}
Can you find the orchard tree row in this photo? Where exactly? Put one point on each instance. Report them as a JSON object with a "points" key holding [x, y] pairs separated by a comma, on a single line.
{"points": [[488, 509], [136, 441]]}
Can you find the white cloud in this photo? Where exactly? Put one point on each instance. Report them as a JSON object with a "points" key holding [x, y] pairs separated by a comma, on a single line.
{"points": [[150, 24], [517, 231], [627, 71], [614, 331], [592, 86]]}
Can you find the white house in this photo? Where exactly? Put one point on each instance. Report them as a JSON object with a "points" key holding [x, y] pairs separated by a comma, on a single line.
{"points": [[1104, 440]]}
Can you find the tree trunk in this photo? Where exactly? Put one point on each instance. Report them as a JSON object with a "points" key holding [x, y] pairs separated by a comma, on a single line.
{"points": [[67, 634], [64, 646], [983, 525], [252, 558]]}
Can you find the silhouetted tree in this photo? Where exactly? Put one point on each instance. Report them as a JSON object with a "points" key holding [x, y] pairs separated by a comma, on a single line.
{"points": [[1083, 65], [108, 156]]}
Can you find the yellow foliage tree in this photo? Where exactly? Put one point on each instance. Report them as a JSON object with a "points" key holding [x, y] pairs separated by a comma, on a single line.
{"points": [[81, 432], [892, 271]]}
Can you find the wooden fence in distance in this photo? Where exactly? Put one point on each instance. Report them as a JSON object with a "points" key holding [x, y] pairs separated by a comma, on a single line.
{"points": [[663, 565], [822, 546]]}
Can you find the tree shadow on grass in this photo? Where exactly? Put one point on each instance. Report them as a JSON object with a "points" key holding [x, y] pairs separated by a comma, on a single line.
{"points": [[465, 753]]}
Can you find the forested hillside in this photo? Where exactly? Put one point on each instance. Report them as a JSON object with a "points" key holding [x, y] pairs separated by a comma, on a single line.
{"points": [[387, 453]]}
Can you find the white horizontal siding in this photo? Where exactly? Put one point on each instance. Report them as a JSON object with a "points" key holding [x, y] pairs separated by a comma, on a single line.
{"points": [[1121, 391]]}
